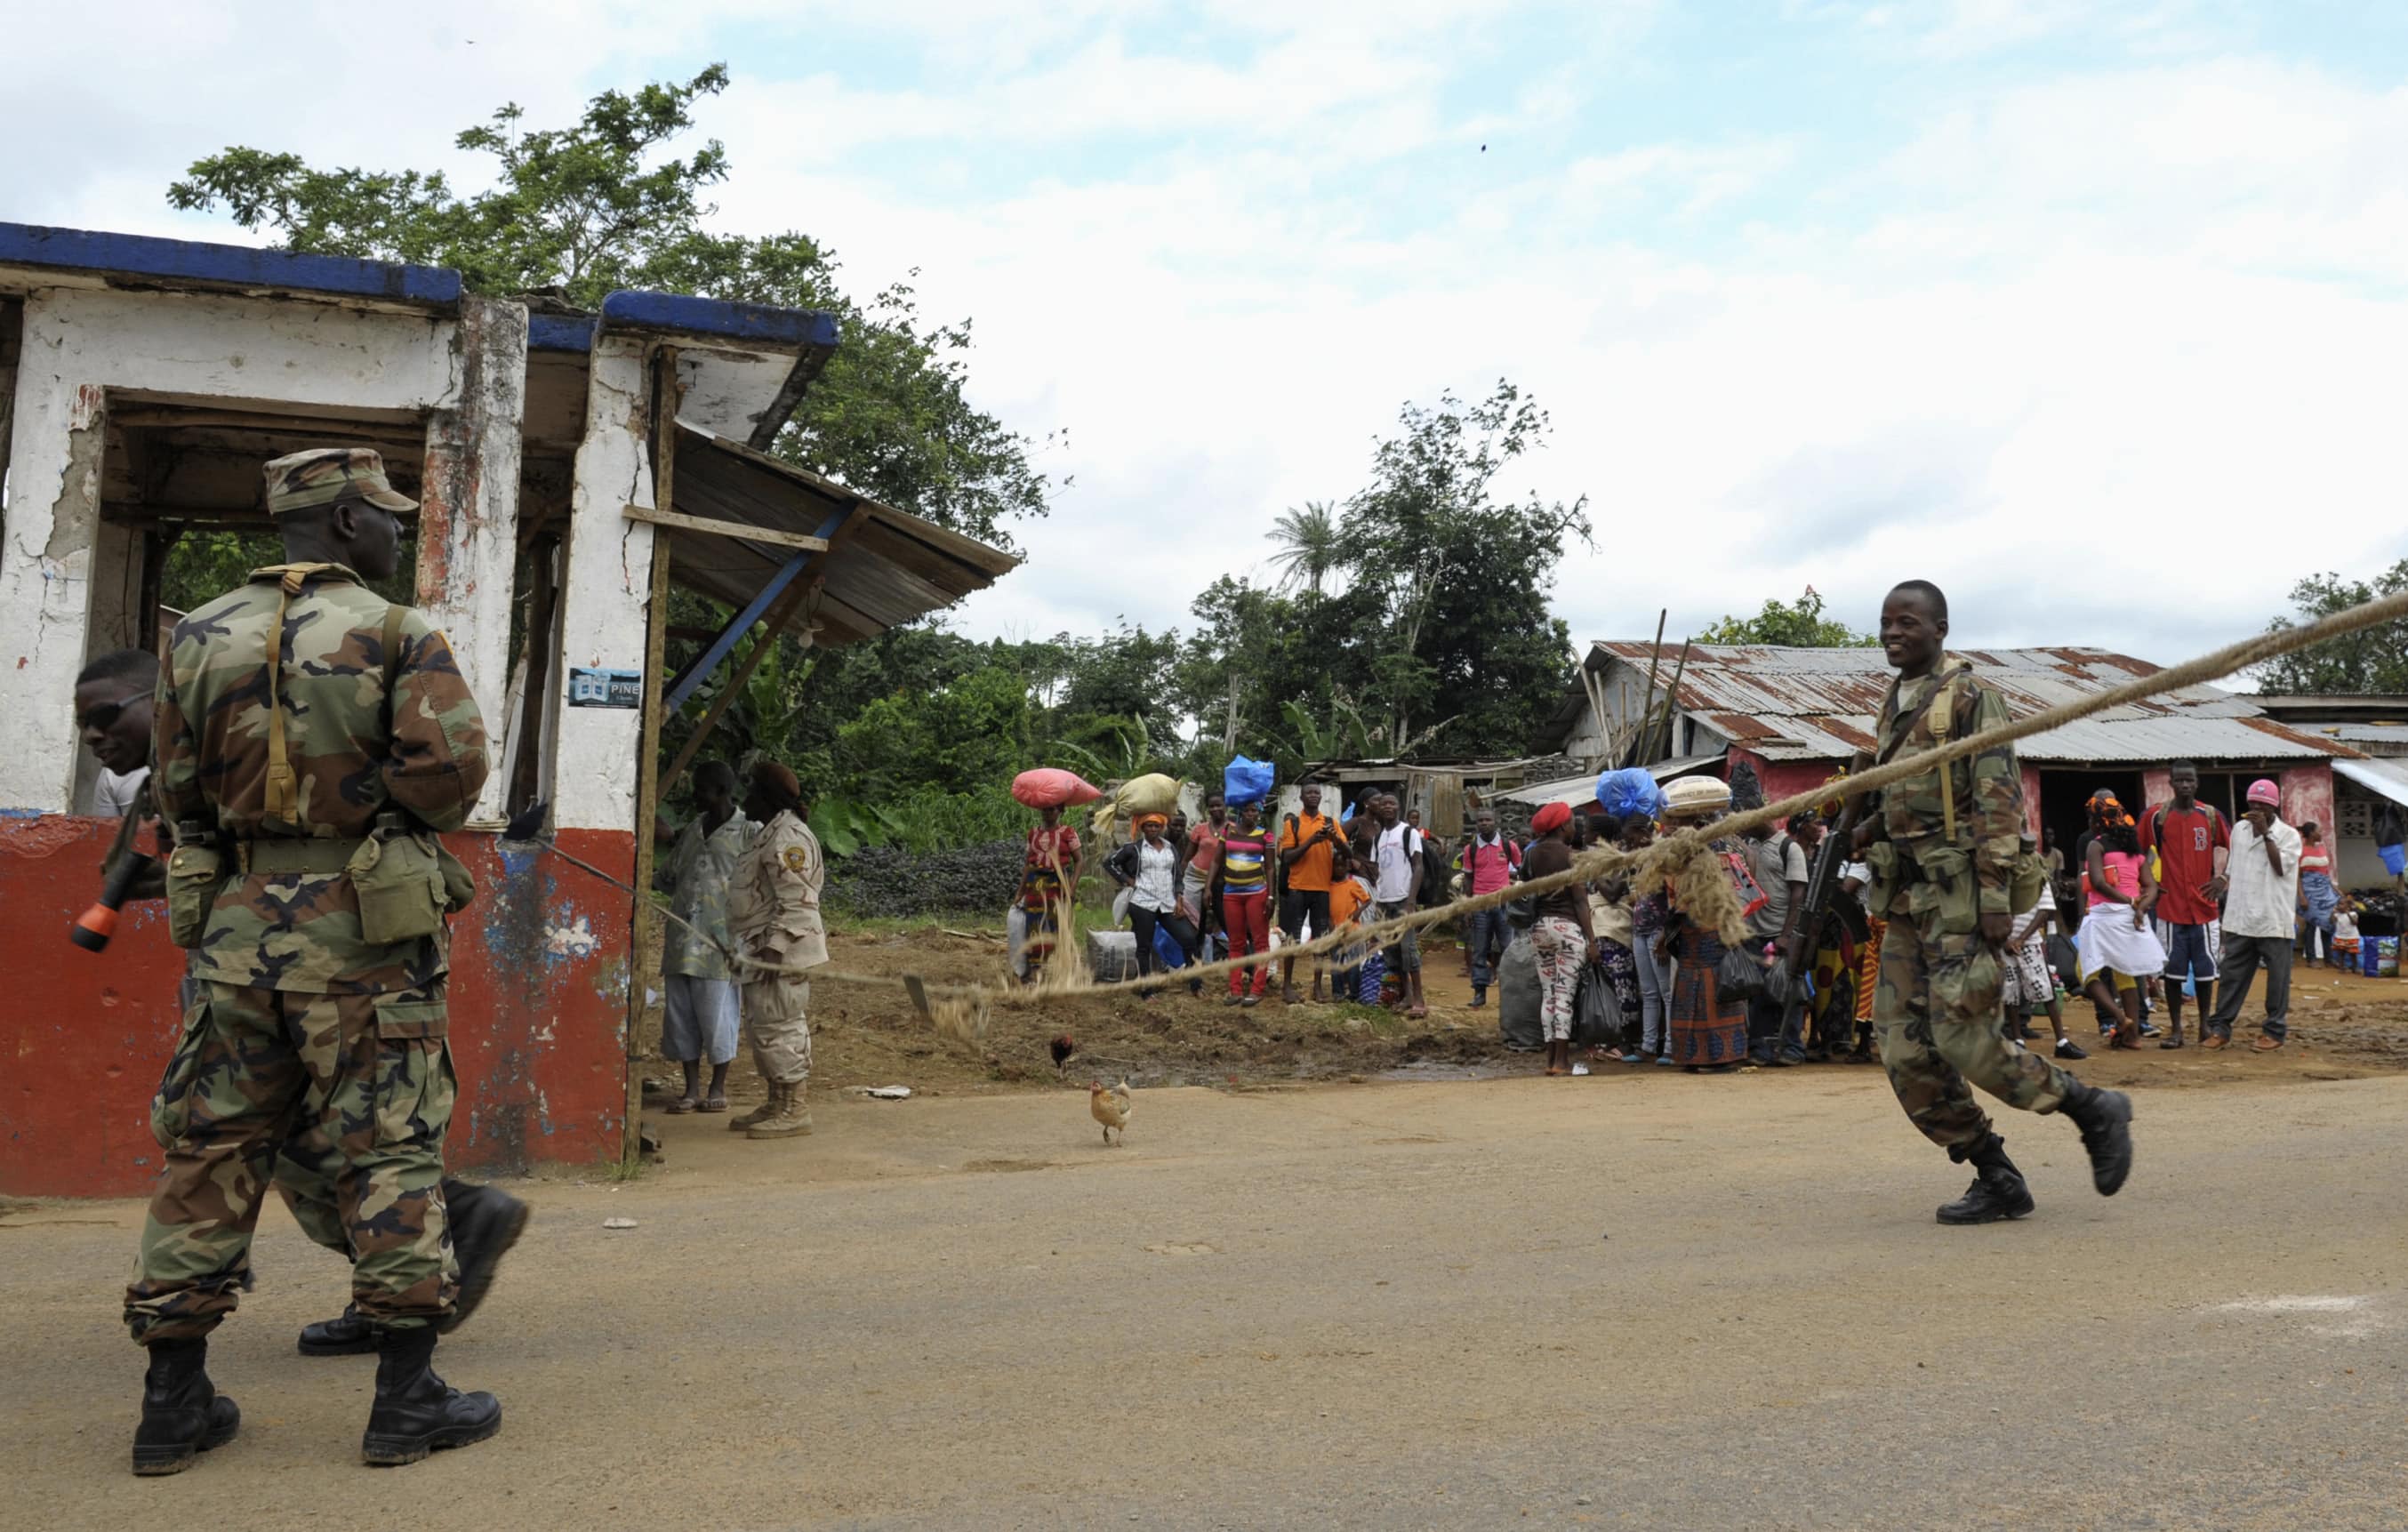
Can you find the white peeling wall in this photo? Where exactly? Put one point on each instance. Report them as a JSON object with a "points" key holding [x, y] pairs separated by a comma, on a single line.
{"points": [[80, 343], [606, 597], [468, 532]]}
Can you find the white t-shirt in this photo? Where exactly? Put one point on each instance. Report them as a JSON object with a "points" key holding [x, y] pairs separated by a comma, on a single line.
{"points": [[2262, 902], [2029, 920], [112, 795], [1395, 854], [1156, 884]]}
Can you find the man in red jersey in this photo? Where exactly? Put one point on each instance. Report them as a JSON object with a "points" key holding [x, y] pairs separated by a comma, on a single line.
{"points": [[2191, 842]]}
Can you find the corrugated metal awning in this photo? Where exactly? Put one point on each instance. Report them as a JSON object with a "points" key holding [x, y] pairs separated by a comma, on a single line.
{"points": [[884, 567], [1573, 791], [2389, 778]]}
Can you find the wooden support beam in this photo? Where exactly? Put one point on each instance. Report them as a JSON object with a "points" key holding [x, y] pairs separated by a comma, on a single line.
{"points": [[800, 592], [684, 522], [644, 964]]}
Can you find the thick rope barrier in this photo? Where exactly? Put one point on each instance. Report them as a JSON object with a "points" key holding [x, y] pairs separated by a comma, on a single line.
{"points": [[1678, 856]]}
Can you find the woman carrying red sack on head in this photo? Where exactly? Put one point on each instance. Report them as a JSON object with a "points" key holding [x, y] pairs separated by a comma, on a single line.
{"points": [[1049, 885]]}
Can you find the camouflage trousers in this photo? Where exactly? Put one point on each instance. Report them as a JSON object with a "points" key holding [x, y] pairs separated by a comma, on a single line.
{"points": [[343, 1100], [1937, 1010], [775, 1028]]}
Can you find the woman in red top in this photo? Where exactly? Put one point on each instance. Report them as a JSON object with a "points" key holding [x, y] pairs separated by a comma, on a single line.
{"points": [[1203, 862], [1049, 884]]}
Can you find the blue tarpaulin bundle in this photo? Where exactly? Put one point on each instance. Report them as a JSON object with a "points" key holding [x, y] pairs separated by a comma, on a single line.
{"points": [[1246, 781], [1629, 791]]}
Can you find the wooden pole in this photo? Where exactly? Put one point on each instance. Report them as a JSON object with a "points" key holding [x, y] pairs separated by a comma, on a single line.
{"points": [[1648, 711], [1671, 698], [644, 965]]}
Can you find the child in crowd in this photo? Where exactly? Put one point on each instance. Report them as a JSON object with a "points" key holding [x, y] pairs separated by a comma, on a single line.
{"points": [[1358, 972]]}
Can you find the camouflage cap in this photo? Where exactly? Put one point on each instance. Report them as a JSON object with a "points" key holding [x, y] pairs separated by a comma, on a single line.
{"points": [[328, 474]]}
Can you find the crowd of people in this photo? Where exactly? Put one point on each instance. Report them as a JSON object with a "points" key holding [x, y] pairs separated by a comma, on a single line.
{"points": [[2148, 916]]}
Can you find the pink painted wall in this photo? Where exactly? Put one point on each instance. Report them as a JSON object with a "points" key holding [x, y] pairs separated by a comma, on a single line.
{"points": [[2032, 800], [2156, 787], [1781, 779], [2308, 794]]}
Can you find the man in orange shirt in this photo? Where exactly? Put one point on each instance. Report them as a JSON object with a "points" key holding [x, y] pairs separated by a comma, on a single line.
{"points": [[1305, 841]]}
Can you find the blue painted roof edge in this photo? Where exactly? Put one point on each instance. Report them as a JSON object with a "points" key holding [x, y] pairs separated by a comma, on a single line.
{"points": [[240, 266], [560, 332], [752, 323]]}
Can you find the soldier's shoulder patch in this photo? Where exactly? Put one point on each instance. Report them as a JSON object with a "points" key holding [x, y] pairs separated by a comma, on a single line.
{"points": [[797, 859]]}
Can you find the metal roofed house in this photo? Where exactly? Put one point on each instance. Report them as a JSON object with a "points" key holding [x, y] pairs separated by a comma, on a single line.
{"points": [[571, 467], [1797, 715]]}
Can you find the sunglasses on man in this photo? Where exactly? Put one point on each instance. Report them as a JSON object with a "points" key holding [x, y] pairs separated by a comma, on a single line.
{"points": [[99, 720]]}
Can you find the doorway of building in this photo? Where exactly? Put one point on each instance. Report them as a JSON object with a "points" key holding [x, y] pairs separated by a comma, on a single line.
{"points": [[2065, 798]]}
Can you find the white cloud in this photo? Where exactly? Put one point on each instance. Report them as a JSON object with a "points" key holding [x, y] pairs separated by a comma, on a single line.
{"points": [[2113, 354]]}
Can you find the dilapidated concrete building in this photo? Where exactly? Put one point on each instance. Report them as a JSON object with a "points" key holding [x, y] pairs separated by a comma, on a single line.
{"points": [[570, 467]]}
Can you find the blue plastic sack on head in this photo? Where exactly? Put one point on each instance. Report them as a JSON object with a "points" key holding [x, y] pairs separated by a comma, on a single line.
{"points": [[1629, 791], [1246, 781]]}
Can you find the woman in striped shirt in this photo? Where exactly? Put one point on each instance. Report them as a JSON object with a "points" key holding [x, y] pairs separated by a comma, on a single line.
{"points": [[1241, 889]]}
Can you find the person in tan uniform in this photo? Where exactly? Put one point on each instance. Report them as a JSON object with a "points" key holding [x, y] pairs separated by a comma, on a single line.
{"points": [[773, 910]]}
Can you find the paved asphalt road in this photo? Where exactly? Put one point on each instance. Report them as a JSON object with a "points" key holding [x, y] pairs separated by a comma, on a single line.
{"points": [[1659, 1302]]}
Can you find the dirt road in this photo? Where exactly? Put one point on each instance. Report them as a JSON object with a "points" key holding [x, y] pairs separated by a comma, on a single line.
{"points": [[1650, 1301]]}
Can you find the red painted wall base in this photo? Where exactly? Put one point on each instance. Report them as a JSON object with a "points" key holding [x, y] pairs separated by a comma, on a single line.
{"points": [[539, 1012]]}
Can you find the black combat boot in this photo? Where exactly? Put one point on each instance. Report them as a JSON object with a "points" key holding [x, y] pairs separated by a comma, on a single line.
{"points": [[1998, 1191], [416, 1413], [345, 1334], [485, 1223], [2105, 1118], [182, 1414]]}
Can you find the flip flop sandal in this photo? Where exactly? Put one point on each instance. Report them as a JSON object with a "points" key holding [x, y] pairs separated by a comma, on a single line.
{"points": [[682, 1105], [2171, 1042], [712, 1103]]}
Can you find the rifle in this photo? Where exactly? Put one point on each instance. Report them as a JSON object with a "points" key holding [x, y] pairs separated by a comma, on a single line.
{"points": [[1806, 933]]}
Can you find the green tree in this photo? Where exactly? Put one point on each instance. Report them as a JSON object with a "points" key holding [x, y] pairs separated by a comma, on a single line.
{"points": [[963, 737], [2372, 660], [579, 211], [1308, 546], [1799, 625], [1467, 659]]}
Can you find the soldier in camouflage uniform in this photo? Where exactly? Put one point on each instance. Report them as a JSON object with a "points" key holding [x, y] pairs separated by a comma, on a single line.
{"points": [[773, 908], [306, 731], [1943, 850]]}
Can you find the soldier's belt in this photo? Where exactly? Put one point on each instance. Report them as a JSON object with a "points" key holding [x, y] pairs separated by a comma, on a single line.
{"points": [[276, 858]]}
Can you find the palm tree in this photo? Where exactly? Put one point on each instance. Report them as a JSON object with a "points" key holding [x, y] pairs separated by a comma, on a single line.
{"points": [[1308, 545]]}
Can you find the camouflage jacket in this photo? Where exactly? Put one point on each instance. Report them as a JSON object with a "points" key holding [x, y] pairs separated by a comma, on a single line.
{"points": [[774, 902], [1988, 787], [700, 868], [301, 932]]}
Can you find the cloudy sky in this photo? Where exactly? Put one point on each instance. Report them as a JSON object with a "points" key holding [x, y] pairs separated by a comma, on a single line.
{"points": [[2093, 312]]}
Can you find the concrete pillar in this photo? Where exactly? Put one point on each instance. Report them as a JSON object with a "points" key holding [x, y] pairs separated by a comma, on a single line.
{"points": [[45, 563], [467, 525], [605, 596]]}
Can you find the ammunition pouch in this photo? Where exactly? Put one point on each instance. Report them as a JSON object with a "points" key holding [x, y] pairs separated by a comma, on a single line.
{"points": [[406, 884], [2029, 878], [195, 874], [1945, 896]]}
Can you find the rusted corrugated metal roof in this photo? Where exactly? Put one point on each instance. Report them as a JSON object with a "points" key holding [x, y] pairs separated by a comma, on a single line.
{"points": [[885, 567], [1820, 704]]}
